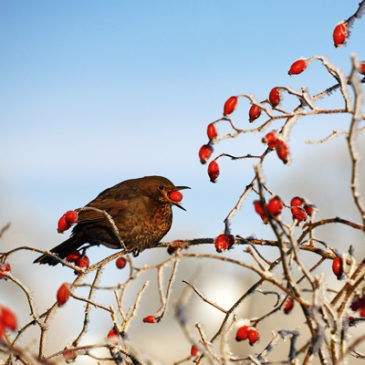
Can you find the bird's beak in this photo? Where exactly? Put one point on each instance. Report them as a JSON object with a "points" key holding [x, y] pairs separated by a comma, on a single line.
{"points": [[181, 187], [176, 189]]}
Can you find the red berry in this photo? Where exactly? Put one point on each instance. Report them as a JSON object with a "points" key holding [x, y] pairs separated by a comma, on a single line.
{"points": [[62, 224], [213, 171], [298, 67], [230, 105], [113, 336], [223, 241], [275, 206], [113, 333], [205, 152], [242, 333], [149, 319], [253, 336], [120, 262], [337, 267], [71, 217], [63, 294], [254, 112], [362, 68], [308, 209], [176, 196], [4, 267], [282, 150], [73, 256], [362, 312], [259, 207], [270, 139], [298, 213], [69, 355], [275, 97], [260, 210], [340, 34], [212, 131], [8, 318], [296, 201], [194, 350], [288, 306], [83, 261]]}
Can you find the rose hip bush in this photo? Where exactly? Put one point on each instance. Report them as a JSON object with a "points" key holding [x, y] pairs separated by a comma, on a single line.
{"points": [[330, 317]]}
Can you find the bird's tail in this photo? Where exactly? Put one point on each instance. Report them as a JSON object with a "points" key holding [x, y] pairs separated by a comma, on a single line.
{"points": [[62, 250]]}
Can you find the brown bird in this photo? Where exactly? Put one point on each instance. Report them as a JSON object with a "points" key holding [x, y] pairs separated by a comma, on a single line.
{"points": [[140, 208]]}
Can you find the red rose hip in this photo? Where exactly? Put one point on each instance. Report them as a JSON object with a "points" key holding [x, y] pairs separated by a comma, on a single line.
{"points": [[288, 306], [275, 97], [298, 213], [253, 336], [297, 201], [120, 262], [83, 261], [340, 34], [254, 113], [149, 319], [242, 333], [230, 105], [222, 242], [213, 171], [337, 267], [8, 318], [176, 196], [275, 206], [298, 67], [282, 150], [211, 131], [71, 217], [63, 294], [205, 152], [73, 256], [63, 225], [194, 350], [270, 139]]}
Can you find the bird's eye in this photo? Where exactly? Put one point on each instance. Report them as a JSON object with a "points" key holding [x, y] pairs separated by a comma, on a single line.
{"points": [[160, 187]]}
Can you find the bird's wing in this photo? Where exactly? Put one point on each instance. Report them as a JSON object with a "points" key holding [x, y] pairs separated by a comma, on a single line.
{"points": [[116, 201]]}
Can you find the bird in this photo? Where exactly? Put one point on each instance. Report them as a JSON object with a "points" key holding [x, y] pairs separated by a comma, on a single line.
{"points": [[140, 208]]}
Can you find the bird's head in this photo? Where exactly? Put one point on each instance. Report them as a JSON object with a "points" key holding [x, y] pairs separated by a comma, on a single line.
{"points": [[163, 190]]}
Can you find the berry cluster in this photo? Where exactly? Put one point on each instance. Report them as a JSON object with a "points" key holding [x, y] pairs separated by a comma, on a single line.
{"points": [[80, 260], [273, 208], [277, 143], [299, 208], [67, 220], [246, 332]]}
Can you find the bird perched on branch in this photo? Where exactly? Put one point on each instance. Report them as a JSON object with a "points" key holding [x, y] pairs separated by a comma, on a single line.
{"points": [[140, 212]]}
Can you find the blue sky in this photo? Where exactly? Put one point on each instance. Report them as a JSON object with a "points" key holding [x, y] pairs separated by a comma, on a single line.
{"points": [[93, 93]]}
